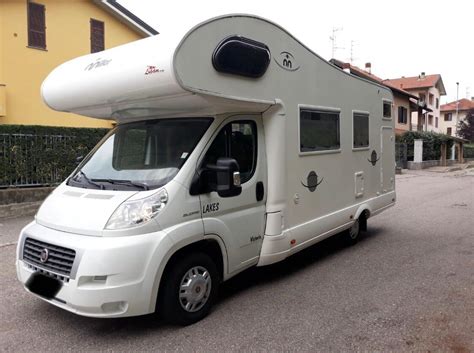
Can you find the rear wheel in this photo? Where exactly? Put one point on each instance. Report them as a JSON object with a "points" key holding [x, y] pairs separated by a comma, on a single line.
{"points": [[352, 234], [189, 289]]}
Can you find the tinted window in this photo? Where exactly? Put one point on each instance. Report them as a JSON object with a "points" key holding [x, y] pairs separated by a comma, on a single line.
{"points": [[361, 130], [237, 140], [387, 110], [319, 130]]}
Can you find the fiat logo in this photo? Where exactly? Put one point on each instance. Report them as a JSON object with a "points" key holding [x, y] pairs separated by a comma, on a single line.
{"points": [[44, 255]]}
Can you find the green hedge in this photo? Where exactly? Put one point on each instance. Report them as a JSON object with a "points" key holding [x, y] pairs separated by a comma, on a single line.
{"points": [[432, 142], [469, 151], [41, 155]]}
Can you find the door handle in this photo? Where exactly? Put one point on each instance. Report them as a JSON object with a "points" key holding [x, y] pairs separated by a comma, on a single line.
{"points": [[259, 191]]}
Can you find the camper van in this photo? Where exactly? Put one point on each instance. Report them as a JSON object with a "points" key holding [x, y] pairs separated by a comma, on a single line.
{"points": [[235, 146]]}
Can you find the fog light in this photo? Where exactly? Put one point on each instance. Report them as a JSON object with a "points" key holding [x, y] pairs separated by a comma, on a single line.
{"points": [[100, 278], [114, 307]]}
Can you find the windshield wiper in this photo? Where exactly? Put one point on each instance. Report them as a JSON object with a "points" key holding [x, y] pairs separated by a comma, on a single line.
{"points": [[123, 182], [91, 182]]}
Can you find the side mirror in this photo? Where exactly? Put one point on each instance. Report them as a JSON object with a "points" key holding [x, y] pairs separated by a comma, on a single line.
{"points": [[222, 177], [228, 177]]}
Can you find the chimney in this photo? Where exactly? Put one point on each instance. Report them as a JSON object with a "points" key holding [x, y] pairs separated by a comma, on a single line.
{"points": [[422, 76], [368, 67], [472, 99]]}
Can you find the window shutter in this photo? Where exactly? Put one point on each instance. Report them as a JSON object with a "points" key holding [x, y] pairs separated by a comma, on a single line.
{"points": [[36, 25], [97, 36]]}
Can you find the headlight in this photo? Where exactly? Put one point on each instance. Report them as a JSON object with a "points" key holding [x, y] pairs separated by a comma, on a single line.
{"points": [[133, 213]]}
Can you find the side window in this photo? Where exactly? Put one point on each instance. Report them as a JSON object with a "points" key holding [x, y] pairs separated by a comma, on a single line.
{"points": [[360, 130], [237, 140], [387, 110], [319, 130]]}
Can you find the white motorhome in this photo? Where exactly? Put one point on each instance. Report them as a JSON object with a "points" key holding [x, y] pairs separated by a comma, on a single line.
{"points": [[235, 146]]}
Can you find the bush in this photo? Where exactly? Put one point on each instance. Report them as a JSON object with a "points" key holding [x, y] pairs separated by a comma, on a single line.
{"points": [[41, 155], [432, 142], [468, 151]]}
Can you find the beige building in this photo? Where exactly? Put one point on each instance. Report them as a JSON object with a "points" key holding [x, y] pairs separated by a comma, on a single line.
{"points": [[405, 103], [428, 89], [453, 113]]}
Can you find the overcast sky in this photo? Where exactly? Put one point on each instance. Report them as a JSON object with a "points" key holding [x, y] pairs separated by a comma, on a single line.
{"points": [[399, 38]]}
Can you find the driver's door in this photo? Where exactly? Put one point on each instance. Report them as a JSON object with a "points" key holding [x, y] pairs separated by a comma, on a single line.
{"points": [[238, 220]]}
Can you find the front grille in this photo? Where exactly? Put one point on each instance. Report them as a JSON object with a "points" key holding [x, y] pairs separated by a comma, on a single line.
{"points": [[59, 262]]}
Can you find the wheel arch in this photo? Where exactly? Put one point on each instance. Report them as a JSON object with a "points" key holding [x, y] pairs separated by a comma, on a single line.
{"points": [[210, 244], [363, 213]]}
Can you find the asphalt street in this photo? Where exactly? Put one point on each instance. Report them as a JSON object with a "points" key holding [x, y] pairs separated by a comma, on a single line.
{"points": [[408, 285]]}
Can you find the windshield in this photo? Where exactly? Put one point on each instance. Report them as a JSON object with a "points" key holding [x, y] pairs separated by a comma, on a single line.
{"points": [[140, 156]]}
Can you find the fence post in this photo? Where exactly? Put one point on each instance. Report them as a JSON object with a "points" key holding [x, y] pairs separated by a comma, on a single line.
{"points": [[443, 154], [418, 151]]}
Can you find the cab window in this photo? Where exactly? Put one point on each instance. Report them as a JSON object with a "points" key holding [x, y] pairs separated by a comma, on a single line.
{"points": [[237, 140]]}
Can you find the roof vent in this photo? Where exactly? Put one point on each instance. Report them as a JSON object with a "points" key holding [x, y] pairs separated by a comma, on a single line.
{"points": [[241, 56]]}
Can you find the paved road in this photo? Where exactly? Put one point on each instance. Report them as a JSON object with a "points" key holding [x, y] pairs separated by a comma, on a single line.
{"points": [[408, 285]]}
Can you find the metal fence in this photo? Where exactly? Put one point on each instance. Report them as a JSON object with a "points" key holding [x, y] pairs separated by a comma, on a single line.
{"points": [[34, 160], [401, 155]]}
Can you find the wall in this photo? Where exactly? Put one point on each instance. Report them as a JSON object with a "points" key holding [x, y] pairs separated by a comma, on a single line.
{"points": [[435, 113], [23, 69], [453, 123]]}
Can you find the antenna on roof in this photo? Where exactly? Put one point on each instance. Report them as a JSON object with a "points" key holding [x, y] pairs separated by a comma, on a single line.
{"points": [[352, 58], [333, 39]]}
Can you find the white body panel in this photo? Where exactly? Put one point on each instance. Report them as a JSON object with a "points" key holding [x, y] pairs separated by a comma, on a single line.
{"points": [[184, 83]]}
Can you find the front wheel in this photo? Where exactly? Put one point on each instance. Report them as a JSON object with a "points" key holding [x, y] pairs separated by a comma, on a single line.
{"points": [[189, 289]]}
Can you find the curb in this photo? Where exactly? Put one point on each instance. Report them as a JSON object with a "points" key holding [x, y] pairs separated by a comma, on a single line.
{"points": [[19, 209]]}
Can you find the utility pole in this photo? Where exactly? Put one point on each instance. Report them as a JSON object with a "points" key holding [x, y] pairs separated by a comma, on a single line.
{"points": [[333, 39]]}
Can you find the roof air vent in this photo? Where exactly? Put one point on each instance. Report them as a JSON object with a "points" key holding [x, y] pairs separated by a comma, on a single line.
{"points": [[241, 56]]}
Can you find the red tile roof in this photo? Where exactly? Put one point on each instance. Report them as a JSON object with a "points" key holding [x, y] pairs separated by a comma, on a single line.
{"points": [[355, 70], [416, 82], [464, 104]]}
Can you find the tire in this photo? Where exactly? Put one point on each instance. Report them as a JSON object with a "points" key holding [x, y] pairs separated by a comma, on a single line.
{"points": [[189, 289], [351, 235]]}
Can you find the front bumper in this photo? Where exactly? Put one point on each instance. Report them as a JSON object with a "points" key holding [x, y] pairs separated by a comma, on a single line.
{"points": [[111, 276]]}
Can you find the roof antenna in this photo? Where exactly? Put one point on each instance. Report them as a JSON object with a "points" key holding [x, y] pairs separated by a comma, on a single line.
{"points": [[352, 58], [333, 39]]}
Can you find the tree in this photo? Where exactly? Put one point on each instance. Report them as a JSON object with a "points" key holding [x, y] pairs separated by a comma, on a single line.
{"points": [[466, 126]]}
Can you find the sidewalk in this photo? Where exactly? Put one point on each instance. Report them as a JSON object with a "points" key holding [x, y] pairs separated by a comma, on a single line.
{"points": [[451, 168]]}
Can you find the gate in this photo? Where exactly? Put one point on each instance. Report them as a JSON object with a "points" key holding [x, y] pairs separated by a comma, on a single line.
{"points": [[401, 155]]}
